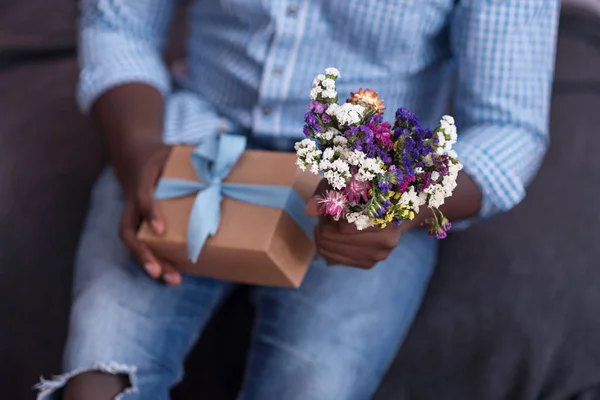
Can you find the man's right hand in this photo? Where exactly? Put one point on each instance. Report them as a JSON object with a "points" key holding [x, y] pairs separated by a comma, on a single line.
{"points": [[138, 183], [131, 118]]}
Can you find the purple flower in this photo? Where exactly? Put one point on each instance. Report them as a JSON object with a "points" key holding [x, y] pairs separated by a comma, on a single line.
{"points": [[325, 118], [384, 186], [406, 117], [311, 119], [352, 131], [426, 182], [306, 131], [438, 229]]}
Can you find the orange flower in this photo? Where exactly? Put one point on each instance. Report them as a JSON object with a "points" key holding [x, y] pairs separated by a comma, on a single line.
{"points": [[367, 98]]}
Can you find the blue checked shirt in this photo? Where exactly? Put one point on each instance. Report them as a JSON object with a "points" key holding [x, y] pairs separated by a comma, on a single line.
{"points": [[252, 62]]}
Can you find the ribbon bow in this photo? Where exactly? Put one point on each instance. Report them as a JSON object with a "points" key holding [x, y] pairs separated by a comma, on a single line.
{"points": [[213, 159]]}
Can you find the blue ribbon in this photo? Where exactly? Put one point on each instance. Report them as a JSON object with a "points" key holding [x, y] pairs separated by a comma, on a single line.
{"points": [[213, 160]]}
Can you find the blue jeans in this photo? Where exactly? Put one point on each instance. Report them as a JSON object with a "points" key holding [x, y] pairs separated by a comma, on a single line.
{"points": [[334, 338]]}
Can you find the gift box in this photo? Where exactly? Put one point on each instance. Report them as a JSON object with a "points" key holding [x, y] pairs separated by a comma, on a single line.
{"points": [[235, 214]]}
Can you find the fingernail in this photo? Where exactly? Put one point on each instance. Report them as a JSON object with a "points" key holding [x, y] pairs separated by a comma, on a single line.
{"points": [[157, 226], [172, 278], [152, 269]]}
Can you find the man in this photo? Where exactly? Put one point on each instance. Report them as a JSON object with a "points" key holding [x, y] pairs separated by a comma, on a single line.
{"points": [[250, 65]]}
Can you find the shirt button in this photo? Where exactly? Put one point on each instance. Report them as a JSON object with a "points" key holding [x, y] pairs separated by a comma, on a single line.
{"points": [[292, 11], [266, 110]]}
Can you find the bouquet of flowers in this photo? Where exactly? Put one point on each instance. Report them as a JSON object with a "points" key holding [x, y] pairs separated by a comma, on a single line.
{"points": [[378, 173]]}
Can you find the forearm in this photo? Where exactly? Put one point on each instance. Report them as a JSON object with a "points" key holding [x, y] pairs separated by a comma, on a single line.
{"points": [[131, 119]]}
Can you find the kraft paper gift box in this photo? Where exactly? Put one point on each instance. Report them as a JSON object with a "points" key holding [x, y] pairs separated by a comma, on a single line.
{"points": [[239, 241]]}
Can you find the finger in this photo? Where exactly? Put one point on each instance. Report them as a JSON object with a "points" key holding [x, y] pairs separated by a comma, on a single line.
{"points": [[334, 258], [170, 275], [149, 208], [330, 231], [128, 232], [312, 207], [346, 227], [348, 251], [363, 252]]}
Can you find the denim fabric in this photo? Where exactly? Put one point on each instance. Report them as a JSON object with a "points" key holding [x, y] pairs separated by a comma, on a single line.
{"points": [[333, 338]]}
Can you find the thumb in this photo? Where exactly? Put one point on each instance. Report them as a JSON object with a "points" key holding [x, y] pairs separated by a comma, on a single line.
{"points": [[149, 208], [312, 207]]}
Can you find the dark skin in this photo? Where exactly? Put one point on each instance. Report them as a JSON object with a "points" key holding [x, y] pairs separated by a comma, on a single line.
{"points": [[340, 243], [131, 118]]}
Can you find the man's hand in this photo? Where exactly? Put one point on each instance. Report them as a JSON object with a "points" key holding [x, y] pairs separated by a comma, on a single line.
{"points": [[341, 243], [139, 181], [131, 118]]}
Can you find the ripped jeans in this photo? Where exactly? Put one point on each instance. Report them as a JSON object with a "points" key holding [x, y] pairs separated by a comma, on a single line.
{"points": [[334, 338]]}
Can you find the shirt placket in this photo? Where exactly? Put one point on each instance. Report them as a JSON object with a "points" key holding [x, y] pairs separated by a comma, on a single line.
{"points": [[267, 113]]}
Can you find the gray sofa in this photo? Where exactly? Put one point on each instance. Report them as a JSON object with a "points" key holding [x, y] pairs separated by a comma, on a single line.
{"points": [[512, 312]]}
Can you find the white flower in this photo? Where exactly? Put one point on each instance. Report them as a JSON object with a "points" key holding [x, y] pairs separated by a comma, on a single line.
{"points": [[435, 176], [346, 114], [452, 154], [328, 83], [449, 119], [369, 167], [449, 184], [429, 189], [452, 134], [308, 154], [410, 198], [441, 138], [333, 72], [328, 154], [329, 94], [360, 220], [329, 134], [340, 140], [314, 93], [335, 179], [419, 170], [437, 198], [454, 168], [301, 164], [318, 79], [354, 157], [336, 171], [305, 144]]}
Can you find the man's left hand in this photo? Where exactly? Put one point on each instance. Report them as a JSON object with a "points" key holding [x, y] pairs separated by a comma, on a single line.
{"points": [[339, 242]]}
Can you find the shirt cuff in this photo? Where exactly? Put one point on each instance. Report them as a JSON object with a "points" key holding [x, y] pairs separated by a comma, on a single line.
{"points": [[97, 79], [500, 187]]}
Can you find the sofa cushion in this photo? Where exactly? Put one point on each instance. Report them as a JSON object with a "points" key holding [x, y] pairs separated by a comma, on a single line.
{"points": [[37, 24]]}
